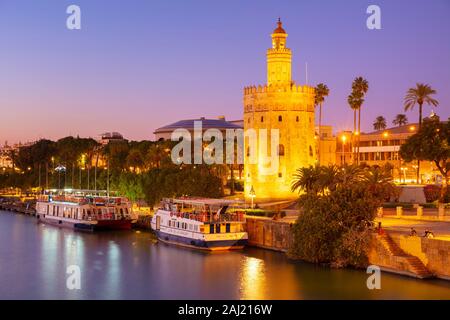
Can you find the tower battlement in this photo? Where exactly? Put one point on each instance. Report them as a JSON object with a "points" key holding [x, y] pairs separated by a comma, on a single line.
{"points": [[279, 88]]}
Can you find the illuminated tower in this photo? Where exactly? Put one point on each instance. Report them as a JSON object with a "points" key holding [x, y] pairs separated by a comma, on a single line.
{"points": [[282, 105]]}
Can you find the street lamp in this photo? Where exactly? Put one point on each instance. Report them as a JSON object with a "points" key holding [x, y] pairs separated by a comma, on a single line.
{"points": [[60, 169], [252, 195], [344, 139], [403, 169]]}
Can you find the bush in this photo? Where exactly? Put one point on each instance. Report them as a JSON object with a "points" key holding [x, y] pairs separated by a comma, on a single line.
{"points": [[432, 192], [261, 213], [334, 228]]}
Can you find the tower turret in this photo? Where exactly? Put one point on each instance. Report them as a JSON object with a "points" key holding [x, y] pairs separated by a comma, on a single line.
{"points": [[279, 58]]}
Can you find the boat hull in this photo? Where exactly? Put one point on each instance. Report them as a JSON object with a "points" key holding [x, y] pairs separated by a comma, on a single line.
{"points": [[211, 245], [87, 226]]}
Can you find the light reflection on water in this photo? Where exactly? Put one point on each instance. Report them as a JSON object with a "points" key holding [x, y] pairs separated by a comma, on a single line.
{"points": [[127, 265]]}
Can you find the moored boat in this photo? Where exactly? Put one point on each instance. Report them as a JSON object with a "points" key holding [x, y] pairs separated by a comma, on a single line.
{"points": [[84, 210], [200, 223]]}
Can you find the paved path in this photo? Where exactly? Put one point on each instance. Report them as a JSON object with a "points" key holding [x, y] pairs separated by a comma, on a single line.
{"points": [[441, 229]]}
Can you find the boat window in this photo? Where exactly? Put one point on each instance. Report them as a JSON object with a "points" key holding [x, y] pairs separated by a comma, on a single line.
{"points": [[227, 228], [211, 228], [218, 228], [121, 211], [48, 209]]}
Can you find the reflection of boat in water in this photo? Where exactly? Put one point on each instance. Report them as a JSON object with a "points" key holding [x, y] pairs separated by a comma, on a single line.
{"points": [[84, 210], [208, 224]]}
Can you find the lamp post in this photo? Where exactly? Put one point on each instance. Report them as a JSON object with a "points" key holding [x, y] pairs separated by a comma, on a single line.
{"points": [[60, 169], [252, 195], [343, 138]]}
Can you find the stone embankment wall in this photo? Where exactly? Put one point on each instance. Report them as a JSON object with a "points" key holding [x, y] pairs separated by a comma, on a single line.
{"points": [[144, 221], [413, 256], [269, 234], [433, 253]]}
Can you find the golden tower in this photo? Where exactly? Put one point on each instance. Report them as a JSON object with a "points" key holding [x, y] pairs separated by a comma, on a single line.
{"points": [[280, 104]]}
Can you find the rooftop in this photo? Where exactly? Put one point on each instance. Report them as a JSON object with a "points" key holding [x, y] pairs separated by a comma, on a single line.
{"points": [[206, 124], [407, 128]]}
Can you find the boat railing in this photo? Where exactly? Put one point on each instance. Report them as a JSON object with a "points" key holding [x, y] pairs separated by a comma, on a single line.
{"points": [[237, 216]]}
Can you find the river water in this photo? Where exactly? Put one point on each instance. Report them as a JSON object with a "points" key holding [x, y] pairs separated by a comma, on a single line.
{"points": [[34, 258]]}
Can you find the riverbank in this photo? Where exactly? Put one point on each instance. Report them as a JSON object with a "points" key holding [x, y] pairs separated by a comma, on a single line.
{"points": [[394, 251], [129, 265]]}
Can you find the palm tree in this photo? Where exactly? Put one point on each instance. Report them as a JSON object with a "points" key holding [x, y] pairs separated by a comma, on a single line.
{"points": [[353, 101], [400, 120], [419, 95], [380, 123], [322, 91], [360, 87], [379, 181], [307, 179]]}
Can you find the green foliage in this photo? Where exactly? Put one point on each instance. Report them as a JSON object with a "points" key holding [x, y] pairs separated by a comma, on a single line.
{"points": [[431, 143], [140, 170], [181, 181], [379, 123], [400, 120], [336, 212]]}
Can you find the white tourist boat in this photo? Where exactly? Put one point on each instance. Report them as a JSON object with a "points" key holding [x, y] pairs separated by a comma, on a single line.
{"points": [[84, 210], [200, 223]]}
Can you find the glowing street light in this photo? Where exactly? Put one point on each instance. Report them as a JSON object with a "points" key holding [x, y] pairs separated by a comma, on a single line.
{"points": [[252, 195], [344, 139]]}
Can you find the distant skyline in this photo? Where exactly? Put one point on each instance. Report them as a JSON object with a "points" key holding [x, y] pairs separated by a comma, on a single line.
{"points": [[138, 65]]}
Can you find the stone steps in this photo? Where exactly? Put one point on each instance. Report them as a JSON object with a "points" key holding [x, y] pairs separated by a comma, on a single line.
{"points": [[415, 265]]}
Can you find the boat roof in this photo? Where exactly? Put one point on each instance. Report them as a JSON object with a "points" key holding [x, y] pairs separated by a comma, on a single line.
{"points": [[203, 201], [83, 192]]}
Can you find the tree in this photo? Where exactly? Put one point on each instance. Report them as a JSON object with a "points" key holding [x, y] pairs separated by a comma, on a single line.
{"points": [[400, 120], [419, 95], [354, 102], [379, 123], [333, 228], [431, 143], [360, 86], [322, 91], [308, 179], [135, 160]]}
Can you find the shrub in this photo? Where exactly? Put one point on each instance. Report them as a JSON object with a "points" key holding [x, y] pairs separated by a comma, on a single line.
{"points": [[334, 228], [432, 192]]}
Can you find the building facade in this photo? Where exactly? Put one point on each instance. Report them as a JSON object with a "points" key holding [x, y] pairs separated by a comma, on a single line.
{"points": [[326, 146], [280, 104], [381, 148]]}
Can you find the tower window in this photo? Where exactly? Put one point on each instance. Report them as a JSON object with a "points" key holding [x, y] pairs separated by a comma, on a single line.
{"points": [[310, 151], [262, 119], [297, 119], [280, 175], [281, 150], [280, 118]]}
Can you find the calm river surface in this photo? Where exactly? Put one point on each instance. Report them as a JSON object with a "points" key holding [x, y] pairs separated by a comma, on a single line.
{"points": [[127, 265]]}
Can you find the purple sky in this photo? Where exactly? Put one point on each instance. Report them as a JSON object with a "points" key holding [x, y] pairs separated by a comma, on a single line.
{"points": [[137, 65]]}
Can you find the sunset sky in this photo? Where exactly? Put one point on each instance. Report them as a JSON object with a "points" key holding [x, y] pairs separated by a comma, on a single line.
{"points": [[137, 65]]}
